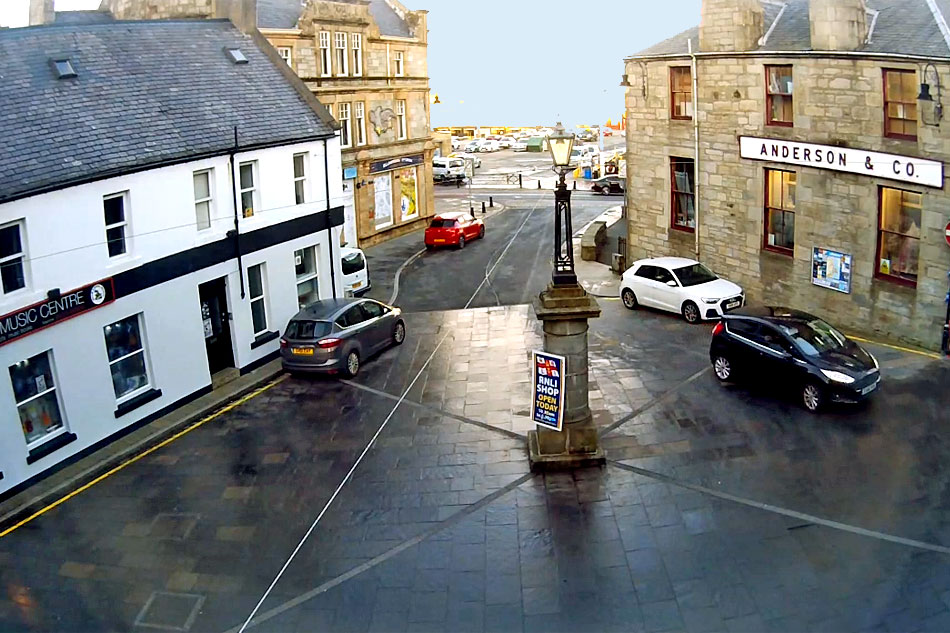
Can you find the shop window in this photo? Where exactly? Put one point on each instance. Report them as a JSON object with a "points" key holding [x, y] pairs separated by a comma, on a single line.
{"points": [[308, 288], [780, 210], [126, 351], [900, 104], [12, 258], [345, 138], [899, 235], [778, 96], [359, 125], [286, 54], [681, 93], [682, 193], [357, 47], [342, 65], [116, 218], [398, 67], [37, 403], [300, 178], [248, 187], [203, 198], [255, 284], [325, 54], [401, 119]]}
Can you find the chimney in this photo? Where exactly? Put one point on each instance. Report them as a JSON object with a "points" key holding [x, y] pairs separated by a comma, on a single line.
{"points": [[41, 12], [730, 25], [242, 13], [837, 25]]}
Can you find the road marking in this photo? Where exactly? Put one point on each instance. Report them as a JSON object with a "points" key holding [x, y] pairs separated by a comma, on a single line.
{"points": [[907, 350], [151, 450], [392, 299]]}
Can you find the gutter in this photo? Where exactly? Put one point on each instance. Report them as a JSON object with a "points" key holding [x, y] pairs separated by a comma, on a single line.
{"points": [[827, 54]]}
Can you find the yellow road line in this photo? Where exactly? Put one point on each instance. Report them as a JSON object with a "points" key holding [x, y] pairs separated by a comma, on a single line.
{"points": [[897, 347], [151, 450]]}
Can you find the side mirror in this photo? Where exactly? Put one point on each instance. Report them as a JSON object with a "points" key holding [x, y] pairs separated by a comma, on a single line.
{"points": [[671, 283]]}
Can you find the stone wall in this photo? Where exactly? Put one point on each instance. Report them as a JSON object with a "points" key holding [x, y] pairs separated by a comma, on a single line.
{"points": [[158, 9], [730, 25], [837, 25], [836, 102]]}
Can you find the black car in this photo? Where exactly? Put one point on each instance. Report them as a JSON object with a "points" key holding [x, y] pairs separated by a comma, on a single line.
{"points": [[796, 349], [608, 185]]}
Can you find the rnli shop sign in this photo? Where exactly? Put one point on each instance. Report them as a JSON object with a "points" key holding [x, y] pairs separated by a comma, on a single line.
{"points": [[918, 171], [547, 407], [69, 304]]}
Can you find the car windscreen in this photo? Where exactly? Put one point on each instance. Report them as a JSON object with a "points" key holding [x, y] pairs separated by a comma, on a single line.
{"points": [[307, 329], [353, 263], [442, 224], [694, 275], [814, 337]]}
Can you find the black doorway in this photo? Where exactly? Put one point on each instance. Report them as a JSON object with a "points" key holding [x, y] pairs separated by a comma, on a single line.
{"points": [[213, 300]]}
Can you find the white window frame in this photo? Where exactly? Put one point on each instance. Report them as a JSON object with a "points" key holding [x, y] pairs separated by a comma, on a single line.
{"points": [[209, 174], [342, 60], [286, 54], [21, 230], [308, 276], [398, 64], [401, 120], [262, 297], [141, 350], [359, 123], [305, 189], [356, 45], [255, 195], [64, 428], [124, 224], [346, 133], [329, 107], [325, 70]]}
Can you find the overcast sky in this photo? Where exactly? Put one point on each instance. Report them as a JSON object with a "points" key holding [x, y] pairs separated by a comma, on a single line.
{"points": [[519, 62]]}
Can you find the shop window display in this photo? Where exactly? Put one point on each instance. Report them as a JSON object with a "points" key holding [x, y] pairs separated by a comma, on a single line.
{"points": [[35, 393], [126, 356]]}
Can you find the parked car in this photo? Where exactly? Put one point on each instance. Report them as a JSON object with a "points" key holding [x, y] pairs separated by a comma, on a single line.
{"points": [[471, 146], [794, 349], [448, 169], [489, 146], [337, 335], [506, 142], [679, 285], [608, 185], [457, 143], [355, 271], [455, 228], [519, 146]]}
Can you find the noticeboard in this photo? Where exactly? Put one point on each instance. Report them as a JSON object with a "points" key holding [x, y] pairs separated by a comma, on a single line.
{"points": [[547, 405], [831, 269]]}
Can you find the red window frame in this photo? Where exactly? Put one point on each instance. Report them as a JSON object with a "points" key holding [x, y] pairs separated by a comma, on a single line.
{"points": [[673, 91], [768, 98], [674, 161], [902, 281], [784, 250], [913, 102]]}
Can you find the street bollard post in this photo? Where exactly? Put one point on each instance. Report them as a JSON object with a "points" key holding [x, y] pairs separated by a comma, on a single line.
{"points": [[491, 202], [539, 184], [575, 185], [483, 207], [519, 181]]}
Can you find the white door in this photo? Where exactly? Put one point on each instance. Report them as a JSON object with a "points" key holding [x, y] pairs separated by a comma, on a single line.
{"points": [[666, 297], [349, 214], [383, 186], [643, 286]]}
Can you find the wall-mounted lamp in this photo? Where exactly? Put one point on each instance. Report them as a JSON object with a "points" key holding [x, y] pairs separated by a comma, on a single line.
{"points": [[361, 184], [926, 98]]}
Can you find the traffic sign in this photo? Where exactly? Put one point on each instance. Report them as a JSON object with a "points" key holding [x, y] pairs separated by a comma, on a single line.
{"points": [[947, 234]]}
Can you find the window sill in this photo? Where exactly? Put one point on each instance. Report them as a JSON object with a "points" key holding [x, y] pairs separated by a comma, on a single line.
{"points": [[780, 124], [683, 229], [896, 282], [46, 448], [901, 137], [262, 338], [681, 118], [138, 401], [778, 250]]}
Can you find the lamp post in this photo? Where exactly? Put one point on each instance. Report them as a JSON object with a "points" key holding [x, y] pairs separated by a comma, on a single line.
{"points": [[561, 143], [926, 98]]}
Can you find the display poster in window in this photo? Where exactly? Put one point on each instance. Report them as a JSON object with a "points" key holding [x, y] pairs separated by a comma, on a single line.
{"points": [[831, 269], [410, 193], [383, 187], [547, 405]]}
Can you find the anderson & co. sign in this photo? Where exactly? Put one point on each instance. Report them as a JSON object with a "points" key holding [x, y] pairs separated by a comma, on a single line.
{"points": [[919, 171], [45, 313]]}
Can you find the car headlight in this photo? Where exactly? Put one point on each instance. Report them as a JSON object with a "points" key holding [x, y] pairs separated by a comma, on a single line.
{"points": [[837, 376], [710, 300]]}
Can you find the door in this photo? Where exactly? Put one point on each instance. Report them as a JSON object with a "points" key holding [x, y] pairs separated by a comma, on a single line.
{"points": [[643, 285], [213, 302], [666, 297], [375, 324]]}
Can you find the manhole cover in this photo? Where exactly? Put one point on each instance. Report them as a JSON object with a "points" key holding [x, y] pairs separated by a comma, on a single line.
{"points": [[173, 527], [170, 611]]}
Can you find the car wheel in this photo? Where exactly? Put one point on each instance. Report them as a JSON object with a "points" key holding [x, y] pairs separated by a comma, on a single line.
{"points": [[722, 368], [399, 333], [352, 365], [813, 397], [481, 231], [629, 299], [691, 312], [605, 191], [461, 241]]}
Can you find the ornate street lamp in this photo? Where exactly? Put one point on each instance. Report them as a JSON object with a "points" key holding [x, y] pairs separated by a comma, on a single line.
{"points": [[926, 99], [561, 143]]}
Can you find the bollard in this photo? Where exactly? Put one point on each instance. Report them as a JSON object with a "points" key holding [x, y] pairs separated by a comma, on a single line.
{"points": [[458, 183], [539, 184], [575, 185], [471, 210], [491, 202], [483, 207], [519, 181]]}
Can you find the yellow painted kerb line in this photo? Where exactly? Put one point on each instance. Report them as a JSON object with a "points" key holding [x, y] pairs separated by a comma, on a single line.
{"points": [[897, 347], [151, 450]]}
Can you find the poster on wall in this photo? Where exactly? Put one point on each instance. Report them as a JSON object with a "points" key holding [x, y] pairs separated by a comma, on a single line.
{"points": [[383, 186], [410, 194], [349, 213], [831, 269], [547, 405]]}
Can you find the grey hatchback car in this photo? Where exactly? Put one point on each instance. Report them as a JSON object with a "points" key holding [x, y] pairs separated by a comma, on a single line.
{"points": [[336, 335]]}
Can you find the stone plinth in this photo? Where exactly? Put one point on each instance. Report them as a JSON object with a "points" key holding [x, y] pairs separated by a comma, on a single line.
{"points": [[564, 311]]}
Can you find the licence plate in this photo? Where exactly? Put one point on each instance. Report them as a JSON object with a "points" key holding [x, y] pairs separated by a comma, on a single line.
{"points": [[301, 351], [869, 389], [733, 304], [439, 241], [358, 284]]}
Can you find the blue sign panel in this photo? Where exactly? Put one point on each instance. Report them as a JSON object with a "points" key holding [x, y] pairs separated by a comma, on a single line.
{"points": [[349, 172], [547, 406]]}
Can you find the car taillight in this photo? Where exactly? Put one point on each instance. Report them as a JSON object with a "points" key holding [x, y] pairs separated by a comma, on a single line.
{"points": [[717, 330], [283, 343], [328, 343]]}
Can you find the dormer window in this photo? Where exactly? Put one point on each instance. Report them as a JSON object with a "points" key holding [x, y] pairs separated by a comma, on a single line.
{"points": [[236, 56], [63, 68]]}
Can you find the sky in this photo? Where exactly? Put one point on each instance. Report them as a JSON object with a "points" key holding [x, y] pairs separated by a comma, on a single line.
{"points": [[519, 62]]}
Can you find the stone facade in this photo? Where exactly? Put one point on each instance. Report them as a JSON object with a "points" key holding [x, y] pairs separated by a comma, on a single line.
{"points": [[837, 101], [158, 9]]}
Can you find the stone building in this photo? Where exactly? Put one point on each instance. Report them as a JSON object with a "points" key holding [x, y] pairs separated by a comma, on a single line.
{"points": [[805, 166]]}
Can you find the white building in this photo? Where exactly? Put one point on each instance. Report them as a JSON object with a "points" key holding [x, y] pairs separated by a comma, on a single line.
{"points": [[124, 287]]}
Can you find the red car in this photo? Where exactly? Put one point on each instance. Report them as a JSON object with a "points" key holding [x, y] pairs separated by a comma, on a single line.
{"points": [[454, 228]]}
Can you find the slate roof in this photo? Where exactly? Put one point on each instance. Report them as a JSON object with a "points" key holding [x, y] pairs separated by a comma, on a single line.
{"points": [[147, 93], [905, 27], [82, 17], [284, 14], [388, 20]]}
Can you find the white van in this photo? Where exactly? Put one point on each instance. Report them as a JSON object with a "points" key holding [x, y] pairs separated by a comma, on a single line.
{"points": [[355, 271], [448, 169]]}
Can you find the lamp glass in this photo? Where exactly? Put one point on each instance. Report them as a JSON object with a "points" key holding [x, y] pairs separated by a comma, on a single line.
{"points": [[924, 93], [561, 143]]}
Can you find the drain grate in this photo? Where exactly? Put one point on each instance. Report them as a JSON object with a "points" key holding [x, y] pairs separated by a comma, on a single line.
{"points": [[170, 611], [173, 527]]}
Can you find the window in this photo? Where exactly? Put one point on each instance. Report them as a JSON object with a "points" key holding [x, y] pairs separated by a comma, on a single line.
{"points": [[286, 54], [248, 189], [397, 64], [372, 310], [325, 53], [401, 119], [308, 288], [780, 210], [339, 42], [646, 272], [202, 181], [126, 353], [900, 104], [329, 107], [12, 258], [255, 284], [345, 140], [681, 93], [64, 69], [357, 46], [662, 275], [300, 178], [353, 316], [681, 186], [359, 125], [35, 393], [778, 96], [116, 223], [899, 235]]}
